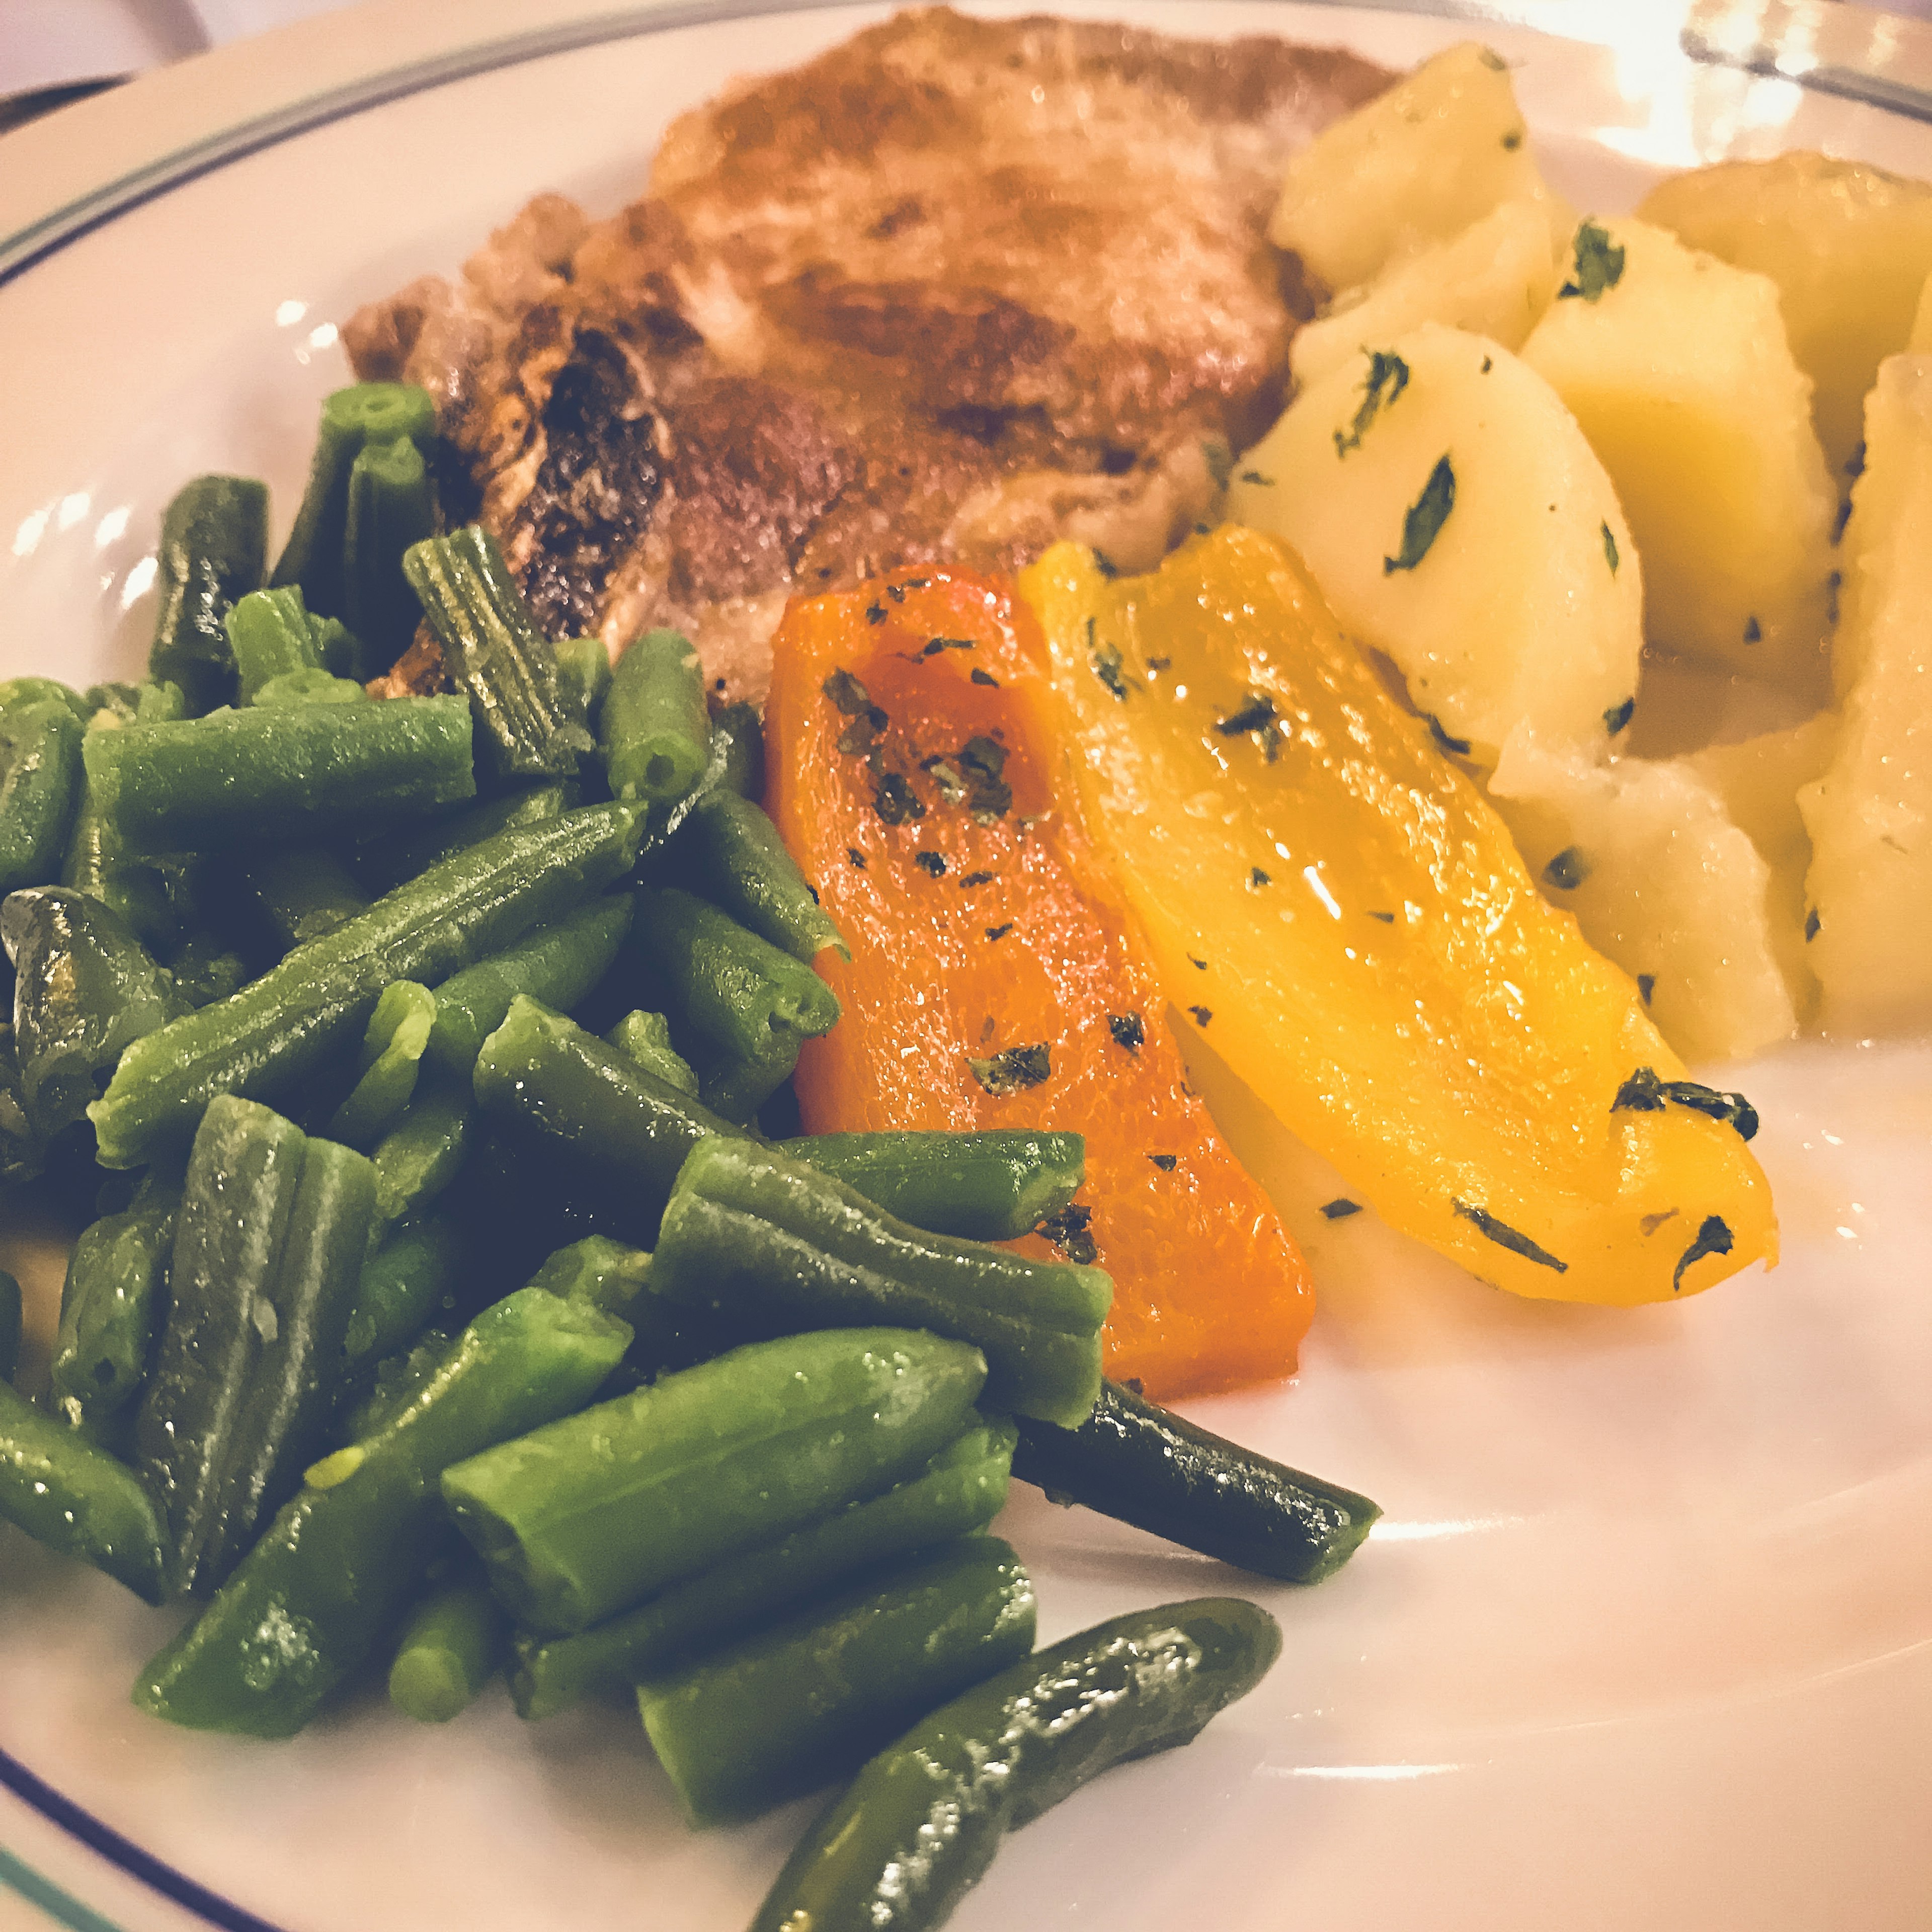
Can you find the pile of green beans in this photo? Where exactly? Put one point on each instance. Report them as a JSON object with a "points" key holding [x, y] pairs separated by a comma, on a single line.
{"points": [[443, 1305]]}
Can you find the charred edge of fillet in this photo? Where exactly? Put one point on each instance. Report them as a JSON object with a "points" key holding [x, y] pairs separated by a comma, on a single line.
{"points": [[593, 496]]}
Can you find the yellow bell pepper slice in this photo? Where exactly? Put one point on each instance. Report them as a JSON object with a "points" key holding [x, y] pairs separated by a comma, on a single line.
{"points": [[1340, 910]]}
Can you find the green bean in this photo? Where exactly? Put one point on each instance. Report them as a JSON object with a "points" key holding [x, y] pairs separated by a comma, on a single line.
{"points": [[405, 854], [392, 1051], [993, 1185], [213, 538], [423, 1152], [450, 1647], [586, 1517], [654, 732], [285, 1024], [405, 1280], [85, 989], [287, 1393], [557, 966], [274, 775], [270, 633], [728, 853], [599, 1129], [961, 1489], [740, 1007], [301, 893], [76, 1497], [16, 691], [206, 971], [316, 1596], [391, 504], [1134, 1460], [761, 1244], [116, 1286], [11, 1318], [21, 1150], [605, 1273], [351, 418], [266, 1264], [644, 1039], [399, 1379], [798, 1705], [494, 651], [295, 689], [584, 678], [921, 1823], [40, 790]]}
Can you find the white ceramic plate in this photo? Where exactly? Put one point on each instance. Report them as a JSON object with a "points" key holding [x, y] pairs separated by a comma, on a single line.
{"points": [[1646, 1637]]}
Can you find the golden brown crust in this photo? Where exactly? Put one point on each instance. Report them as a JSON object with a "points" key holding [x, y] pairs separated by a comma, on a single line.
{"points": [[951, 287]]}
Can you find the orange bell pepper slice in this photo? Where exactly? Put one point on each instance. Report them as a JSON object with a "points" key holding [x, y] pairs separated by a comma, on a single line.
{"points": [[997, 978]]}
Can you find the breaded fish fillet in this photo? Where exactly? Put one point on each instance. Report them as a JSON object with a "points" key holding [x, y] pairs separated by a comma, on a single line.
{"points": [[953, 289]]}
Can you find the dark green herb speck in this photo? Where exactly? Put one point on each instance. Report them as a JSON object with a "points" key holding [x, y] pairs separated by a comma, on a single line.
{"points": [[1387, 372], [1610, 550], [875, 613], [1105, 564], [1567, 871], [846, 692], [1340, 1208], [1646, 984], [1127, 1030], [1067, 1231], [1258, 713], [1643, 1093], [857, 857], [1754, 631], [1166, 1162], [1017, 1067], [1811, 924], [1423, 521], [999, 931], [1600, 265], [1504, 1236], [1618, 716], [1257, 878], [930, 863], [1202, 1014], [895, 801], [1713, 1238], [1387, 918], [980, 676], [1455, 747]]}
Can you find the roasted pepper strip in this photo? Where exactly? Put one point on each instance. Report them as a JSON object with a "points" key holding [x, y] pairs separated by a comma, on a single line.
{"points": [[997, 981], [1359, 941]]}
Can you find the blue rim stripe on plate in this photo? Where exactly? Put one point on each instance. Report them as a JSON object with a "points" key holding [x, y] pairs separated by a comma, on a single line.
{"points": [[102, 1837], [62, 1907], [19, 252]]}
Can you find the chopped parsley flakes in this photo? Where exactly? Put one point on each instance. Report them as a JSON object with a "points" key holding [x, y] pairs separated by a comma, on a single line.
{"points": [[1017, 1068], [895, 801], [1643, 1093], [1610, 556], [932, 864], [1128, 1030], [1256, 714], [1567, 871], [1068, 1232], [848, 693], [1387, 372], [1600, 265], [1340, 1208], [1714, 1238], [1422, 522], [1618, 716], [1166, 1162], [1487, 1225]]}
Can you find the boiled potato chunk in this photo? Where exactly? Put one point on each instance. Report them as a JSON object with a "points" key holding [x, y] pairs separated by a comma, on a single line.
{"points": [[1848, 246], [1458, 522], [1494, 279], [1414, 167], [1676, 366], [1661, 881], [1871, 814]]}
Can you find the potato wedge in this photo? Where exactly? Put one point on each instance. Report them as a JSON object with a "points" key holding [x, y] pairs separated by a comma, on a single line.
{"points": [[1525, 602], [1661, 881], [1414, 167], [1849, 248], [1676, 366], [1495, 278], [1869, 814]]}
